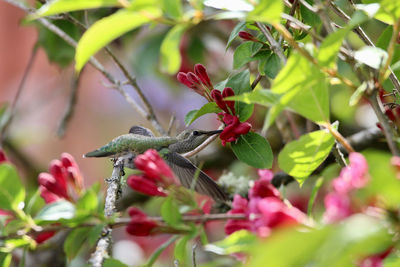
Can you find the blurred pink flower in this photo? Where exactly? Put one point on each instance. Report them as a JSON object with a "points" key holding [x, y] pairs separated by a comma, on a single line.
{"points": [[266, 174], [263, 188], [140, 224], [338, 207], [3, 157]]}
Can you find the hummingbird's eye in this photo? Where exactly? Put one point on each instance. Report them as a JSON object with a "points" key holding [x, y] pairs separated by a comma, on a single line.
{"points": [[196, 133]]}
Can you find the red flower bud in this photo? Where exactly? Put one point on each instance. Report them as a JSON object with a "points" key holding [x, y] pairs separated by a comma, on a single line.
{"points": [[193, 78], [182, 78], [140, 224], [3, 157], [390, 114], [145, 186], [247, 36], [201, 72], [226, 93], [48, 196]]}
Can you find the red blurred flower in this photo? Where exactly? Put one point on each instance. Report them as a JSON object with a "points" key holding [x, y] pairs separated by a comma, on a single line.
{"points": [[233, 129], [3, 157], [140, 224], [266, 174], [338, 207], [42, 237], [62, 174], [247, 36], [263, 188], [239, 206], [375, 260], [199, 81], [201, 72], [156, 174]]}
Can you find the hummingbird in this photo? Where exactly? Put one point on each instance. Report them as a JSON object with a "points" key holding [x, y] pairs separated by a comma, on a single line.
{"points": [[139, 139]]}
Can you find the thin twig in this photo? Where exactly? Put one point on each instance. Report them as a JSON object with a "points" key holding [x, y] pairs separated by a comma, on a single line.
{"points": [[194, 255], [69, 111], [171, 124], [343, 141], [21, 86], [104, 243], [200, 147], [256, 81], [273, 44], [97, 65]]}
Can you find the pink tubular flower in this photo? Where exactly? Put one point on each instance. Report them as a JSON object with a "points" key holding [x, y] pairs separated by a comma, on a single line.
{"points": [[234, 128], [263, 188], [140, 224], [227, 106], [266, 174], [201, 72], [338, 207], [145, 185], [154, 167], [239, 206], [63, 174], [44, 236]]}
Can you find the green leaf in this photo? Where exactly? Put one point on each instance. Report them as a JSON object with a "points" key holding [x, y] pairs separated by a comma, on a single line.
{"points": [[254, 150], [55, 211], [356, 96], [305, 92], [64, 6], [374, 57], [173, 8], [110, 262], [389, 11], [170, 55], [239, 27], [109, 28], [243, 54], [239, 241], [318, 183], [94, 234], [192, 115], [240, 83], [12, 192], [384, 181], [170, 212], [88, 202], [74, 241], [268, 11], [272, 66], [262, 96], [301, 157], [181, 248], [5, 259]]}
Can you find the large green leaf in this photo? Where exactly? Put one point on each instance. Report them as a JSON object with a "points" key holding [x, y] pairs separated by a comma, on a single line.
{"points": [[88, 203], [192, 115], [74, 241], [268, 11], [239, 27], [63, 6], [170, 212], [107, 29], [55, 211], [305, 92], [12, 192], [263, 97], [239, 241], [242, 55], [301, 157], [254, 150], [170, 55]]}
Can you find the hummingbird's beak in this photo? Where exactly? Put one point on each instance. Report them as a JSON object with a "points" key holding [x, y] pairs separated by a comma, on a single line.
{"points": [[212, 132]]}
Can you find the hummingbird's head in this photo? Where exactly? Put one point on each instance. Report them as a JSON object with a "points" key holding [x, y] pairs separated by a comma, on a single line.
{"points": [[189, 139]]}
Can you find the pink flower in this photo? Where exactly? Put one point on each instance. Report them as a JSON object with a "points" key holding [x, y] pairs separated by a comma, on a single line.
{"points": [[154, 167], [353, 176], [263, 188], [266, 174], [140, 224], [338, 207], [3, 157], [227, 106], [198, 81], [63, 174], [44, 236], [239, 206], [201, 72], [233, 129], [145, 185]]}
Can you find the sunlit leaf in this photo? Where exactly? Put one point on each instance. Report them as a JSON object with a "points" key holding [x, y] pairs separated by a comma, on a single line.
{"points": [[172, 8], [232, 5], [170, 212], [170, 55], [107, 29], [268, 11], [301, 157], [12, 192], [374, 57], [239, 241], [263, 97]]}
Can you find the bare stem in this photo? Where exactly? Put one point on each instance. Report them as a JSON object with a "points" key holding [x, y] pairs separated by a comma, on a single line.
{"points": [[104, 243], [273, 44], [339, 138]]}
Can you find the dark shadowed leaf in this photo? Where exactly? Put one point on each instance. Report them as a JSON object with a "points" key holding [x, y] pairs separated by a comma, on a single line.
{"points": [[74, 242]]}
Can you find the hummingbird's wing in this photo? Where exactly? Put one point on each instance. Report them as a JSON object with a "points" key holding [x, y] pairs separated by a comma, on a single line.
{"points": [[141, 131], [185, 170]]}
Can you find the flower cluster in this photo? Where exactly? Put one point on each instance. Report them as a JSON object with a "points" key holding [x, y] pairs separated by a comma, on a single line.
{"points": [[353, 176], [140, 224], [63, 178], [200, 82], [264, 210], [156, 176]]}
